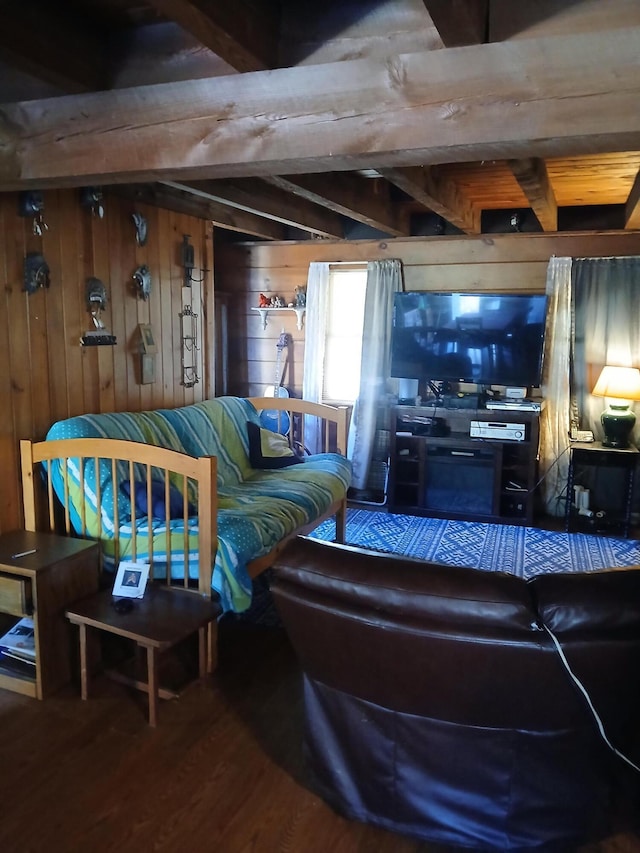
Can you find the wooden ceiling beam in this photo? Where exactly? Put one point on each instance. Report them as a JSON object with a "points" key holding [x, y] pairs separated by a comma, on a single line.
{"points": [[220, 215], [240, 33], [632, 207], [531, 174], [361, 199], [441, 196], [42, 41], [459, 22], [483, 102], [256, 197]]}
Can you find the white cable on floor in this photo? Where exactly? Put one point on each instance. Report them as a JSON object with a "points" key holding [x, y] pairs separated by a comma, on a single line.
{"points": [[583, 690]]}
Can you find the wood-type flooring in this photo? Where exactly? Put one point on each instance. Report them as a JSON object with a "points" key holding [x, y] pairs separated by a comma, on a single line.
{"points": [[223, 771]]}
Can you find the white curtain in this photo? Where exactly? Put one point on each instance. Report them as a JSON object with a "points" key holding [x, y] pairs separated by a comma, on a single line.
{"points": [[315, 337], [384, 278], [556, 387]]}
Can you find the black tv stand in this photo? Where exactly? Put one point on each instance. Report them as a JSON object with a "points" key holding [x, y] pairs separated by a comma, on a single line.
{"points": [[438, 469]]}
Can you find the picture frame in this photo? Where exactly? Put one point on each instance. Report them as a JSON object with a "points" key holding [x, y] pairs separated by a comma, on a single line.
{"points": [[147, 338], [131, 580]]}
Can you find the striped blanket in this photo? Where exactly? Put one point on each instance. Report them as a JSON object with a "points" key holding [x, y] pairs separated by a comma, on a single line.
{"points": [[257, 508]]}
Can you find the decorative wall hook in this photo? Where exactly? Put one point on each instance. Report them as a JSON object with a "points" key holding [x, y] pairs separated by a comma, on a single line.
{"points": [[141, 228], [31, 204], [36, 272], [91, 197], [142, 277]]}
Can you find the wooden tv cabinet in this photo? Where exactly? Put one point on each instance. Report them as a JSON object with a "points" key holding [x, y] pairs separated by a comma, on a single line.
{"points": [[438, 469]]}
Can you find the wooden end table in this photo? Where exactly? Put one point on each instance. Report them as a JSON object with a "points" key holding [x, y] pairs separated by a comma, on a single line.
{"points": [[155, 623], [40, 575]]}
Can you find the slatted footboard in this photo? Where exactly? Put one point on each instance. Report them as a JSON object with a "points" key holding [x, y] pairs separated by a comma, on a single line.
{"points": [[102, 514]]}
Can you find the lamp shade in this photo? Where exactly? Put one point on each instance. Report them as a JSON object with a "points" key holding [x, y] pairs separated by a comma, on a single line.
{"points": [[621, 383], [618, 384]]}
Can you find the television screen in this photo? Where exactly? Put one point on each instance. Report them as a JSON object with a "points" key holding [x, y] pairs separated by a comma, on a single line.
{"points": [[486, 338]]}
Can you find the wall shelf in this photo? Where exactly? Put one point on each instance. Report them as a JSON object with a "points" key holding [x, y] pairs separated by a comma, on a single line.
{"points": [[264, 314]]}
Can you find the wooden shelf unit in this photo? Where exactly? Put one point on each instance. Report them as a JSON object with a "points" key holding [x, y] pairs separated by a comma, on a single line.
{"points": [[439, 470], [40, 585]]}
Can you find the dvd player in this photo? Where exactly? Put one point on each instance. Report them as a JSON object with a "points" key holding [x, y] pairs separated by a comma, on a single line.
{"points": [[498, 430], [515, 406]]}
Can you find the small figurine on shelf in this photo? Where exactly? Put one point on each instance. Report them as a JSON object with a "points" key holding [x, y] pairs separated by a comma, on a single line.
{"points": [[264, 302], [277, 302], [301, 297]]}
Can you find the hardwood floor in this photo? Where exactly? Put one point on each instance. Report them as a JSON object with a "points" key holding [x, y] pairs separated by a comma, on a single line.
{"points": [[222, 772]]}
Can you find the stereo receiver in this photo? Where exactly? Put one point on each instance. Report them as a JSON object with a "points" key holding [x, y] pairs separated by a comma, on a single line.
{"points": [[497, 430]]}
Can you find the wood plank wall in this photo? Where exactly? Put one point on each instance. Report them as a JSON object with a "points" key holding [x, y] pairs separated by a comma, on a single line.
{"points": [[45, 375], [509, 262]]}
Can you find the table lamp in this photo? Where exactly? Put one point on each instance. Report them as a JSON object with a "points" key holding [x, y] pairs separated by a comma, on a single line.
{"points": [[621, 385]]}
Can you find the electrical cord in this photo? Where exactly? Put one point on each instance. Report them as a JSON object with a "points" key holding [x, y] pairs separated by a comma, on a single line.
{"points": [[583, 690], [553, 464]]}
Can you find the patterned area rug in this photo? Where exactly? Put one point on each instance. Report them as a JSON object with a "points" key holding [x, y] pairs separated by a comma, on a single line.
{"points": [[523, 551]]}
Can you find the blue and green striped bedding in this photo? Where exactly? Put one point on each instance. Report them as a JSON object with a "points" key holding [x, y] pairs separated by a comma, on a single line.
{"points": [[256, 508]]}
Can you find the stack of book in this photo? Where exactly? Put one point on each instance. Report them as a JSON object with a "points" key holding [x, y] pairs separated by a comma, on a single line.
{"points": [[18, 646]]}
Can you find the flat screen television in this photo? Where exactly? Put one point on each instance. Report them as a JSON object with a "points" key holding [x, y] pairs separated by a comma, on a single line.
{"points": [[486, 338]]}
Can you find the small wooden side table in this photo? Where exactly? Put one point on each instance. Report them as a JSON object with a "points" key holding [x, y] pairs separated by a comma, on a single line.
{"points": [[40, 575], [155, 623], [604, 463]]}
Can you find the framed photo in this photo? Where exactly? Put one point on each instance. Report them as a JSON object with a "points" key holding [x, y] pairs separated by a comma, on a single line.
{"points": [[131, 580], [148, 338]]}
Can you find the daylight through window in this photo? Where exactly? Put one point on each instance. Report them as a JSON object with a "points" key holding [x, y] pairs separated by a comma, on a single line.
{"points": [[343, 344]]}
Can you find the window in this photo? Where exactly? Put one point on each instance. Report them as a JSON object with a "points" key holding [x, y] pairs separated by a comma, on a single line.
{"points": [[343, 336]]}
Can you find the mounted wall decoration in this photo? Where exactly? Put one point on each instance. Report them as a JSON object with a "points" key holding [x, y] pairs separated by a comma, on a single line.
{"points": [[148, 351], [190, 346], [36, 272], [141, 228], [188, 318], [31, 204], [187, 262], [96, 303], [91, 197], [142, 277]]}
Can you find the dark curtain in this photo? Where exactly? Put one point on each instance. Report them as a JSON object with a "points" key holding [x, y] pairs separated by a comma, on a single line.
{"points": [[606, 330]]}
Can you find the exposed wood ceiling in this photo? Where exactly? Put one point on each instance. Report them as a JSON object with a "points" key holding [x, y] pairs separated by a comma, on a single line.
{"points": [[295, 120]]}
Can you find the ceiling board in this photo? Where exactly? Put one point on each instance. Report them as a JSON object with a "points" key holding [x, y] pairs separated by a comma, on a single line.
{"points": [[201, 46]]}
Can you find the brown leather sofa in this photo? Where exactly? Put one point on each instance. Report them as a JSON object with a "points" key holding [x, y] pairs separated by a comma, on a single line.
{"points": [[438, 706]]}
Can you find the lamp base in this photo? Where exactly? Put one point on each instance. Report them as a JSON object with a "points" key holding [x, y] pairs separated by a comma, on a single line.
{"points": [[617, 424]]}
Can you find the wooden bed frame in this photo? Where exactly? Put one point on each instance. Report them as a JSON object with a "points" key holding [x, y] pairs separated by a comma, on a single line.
{"points": [[43, 510]]}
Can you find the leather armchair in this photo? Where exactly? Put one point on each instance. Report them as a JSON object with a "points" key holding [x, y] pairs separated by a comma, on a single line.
{"points": [[437, 706]]}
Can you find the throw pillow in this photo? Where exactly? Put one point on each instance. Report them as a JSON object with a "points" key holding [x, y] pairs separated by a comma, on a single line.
{"points": [[269, 449], [157, 499]]}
